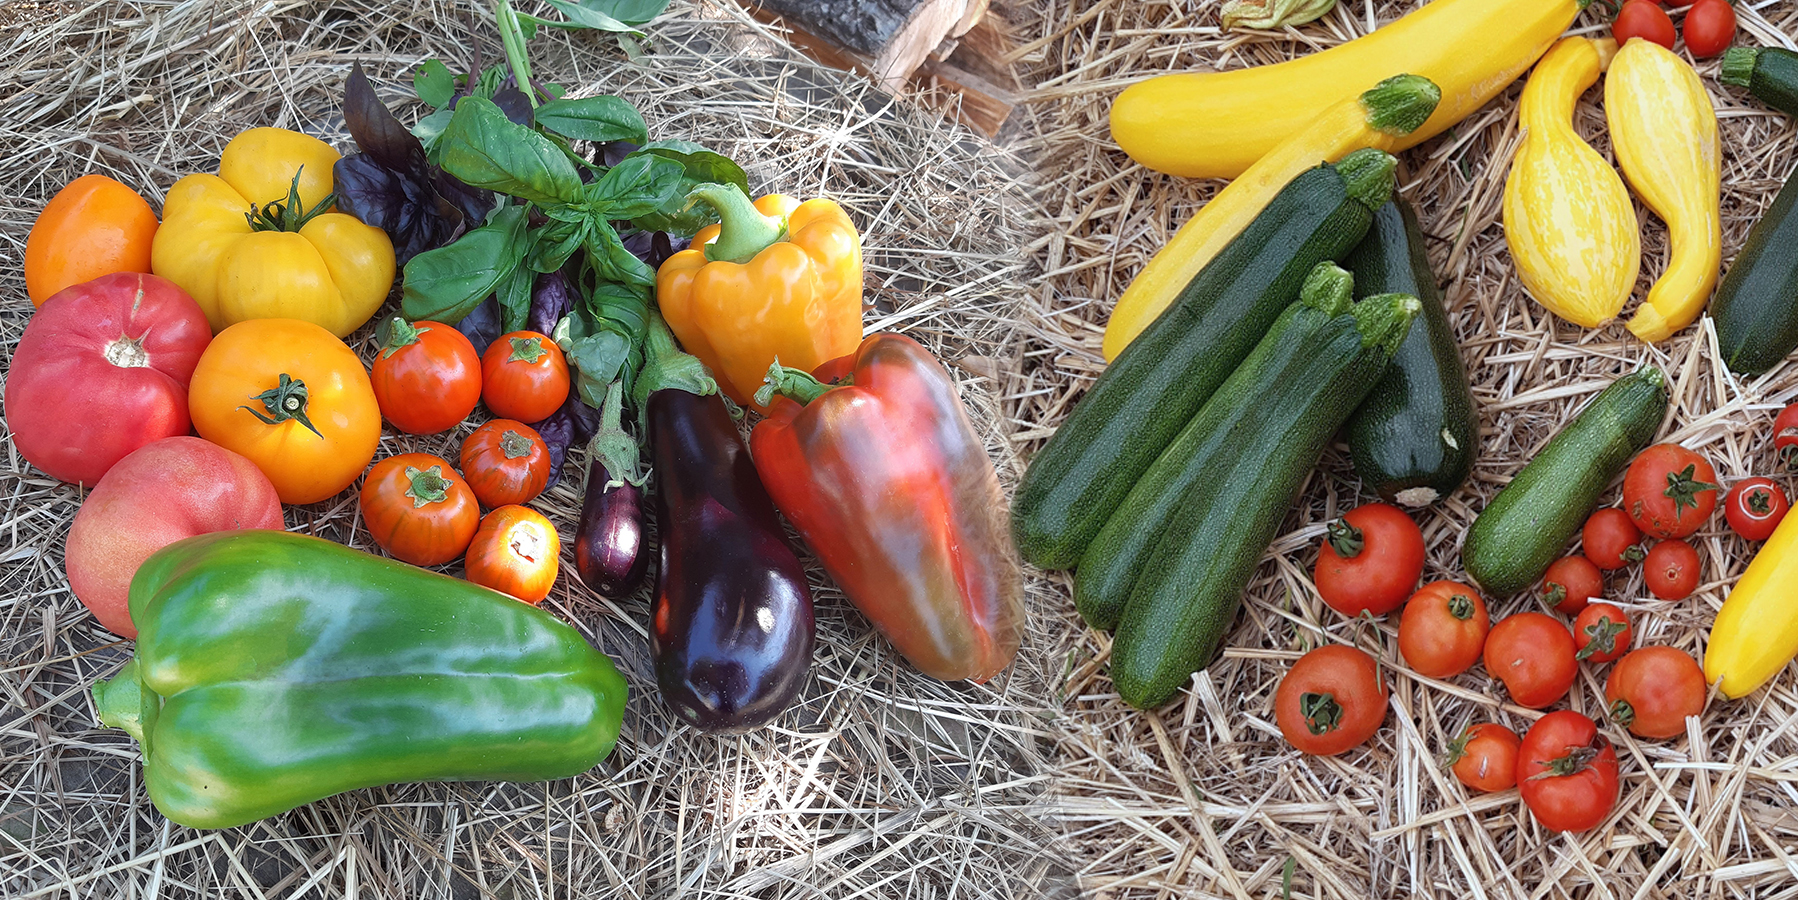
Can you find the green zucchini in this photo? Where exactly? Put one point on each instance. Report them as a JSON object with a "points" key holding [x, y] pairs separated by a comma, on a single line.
{"points": [[1155, 386], [1769, 73], [1241, 461], [1527, 526], [1756, 306], [1415, 436]]}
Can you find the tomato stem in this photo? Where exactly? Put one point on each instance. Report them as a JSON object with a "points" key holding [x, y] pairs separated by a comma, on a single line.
{"points": [[1683, 487], [514, 445], [1759, 501], [427, 485], [1789, 455], [284, 402], [1601, 637], [1576, 761], [1346, 539], [287, 215], [1557, 594], [395, 333], [1634, 553], [1321, 711], [527, 349], [1461, 607], [1621, 712], [1457, 748]]}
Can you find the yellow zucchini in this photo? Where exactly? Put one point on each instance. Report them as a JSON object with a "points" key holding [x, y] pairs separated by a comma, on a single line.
{"points": [[1756, 632], [1378, 118], [1217, 124], [1569, 221], [1664, 129]]}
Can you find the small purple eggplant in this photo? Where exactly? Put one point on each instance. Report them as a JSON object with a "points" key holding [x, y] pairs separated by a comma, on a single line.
{"points": [[608, 544]]}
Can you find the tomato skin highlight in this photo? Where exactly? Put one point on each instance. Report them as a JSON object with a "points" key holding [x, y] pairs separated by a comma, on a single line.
{"points": [[1571, 583], [524, 376], [1443, 629], [1669, 491], [1671, 570], [1646, 20], [1785, 437], [427, 377], [1484, 757], [1754, 507], [1567, 772], [94, 226], [1598, 626], [1532, 654], [1331, 700], [1652, 690], [1370, 562], [1611, 540], [1710, 27], [506, 463], [418, 509], [515, 551]]}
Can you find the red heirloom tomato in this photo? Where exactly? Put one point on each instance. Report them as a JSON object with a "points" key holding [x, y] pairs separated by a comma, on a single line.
{"points": [[1443, 629], [1671, 570], [506, 463], [1484, 757], [1331, 700], [1651, 691], [1532, 654], [1370, 560], [1710, 27], [1785, 436], [427, 377], [515, 551], [1567, 772], [524, 377], [1754, 507], [102, 370], [1611, 540], [158, 494], [1602, 633], [1646, 20], [94, 226], [1669, 491], [1570, 584], [418, 509]]}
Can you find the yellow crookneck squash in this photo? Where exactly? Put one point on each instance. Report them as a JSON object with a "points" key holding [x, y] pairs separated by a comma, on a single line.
{"points": [[1568, 218], [1756, 632]]}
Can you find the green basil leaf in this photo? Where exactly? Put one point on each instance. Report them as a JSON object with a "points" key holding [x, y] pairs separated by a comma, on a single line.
{"points": [[634, 12], [514, 295], [603, 118], [485, 149], [579, 16], [702, 165], [434, 83], [429, 129], [641, 184], [611, 262], [555, 243], [445, 284]]}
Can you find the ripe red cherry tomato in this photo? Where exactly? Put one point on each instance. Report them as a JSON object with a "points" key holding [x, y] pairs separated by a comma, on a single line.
{"points": [[1331, 700], [1785, 437], [1443, 629], [1484, 757], [1601, 633], [524, 376], [1532, 654], [1671, 570], [1710, 27], [1570, 584], [1370, 561], [1567, 771], [1640, 18], [1652, 691], [426, 376], [1670, 491], [1611, 540], [1755, 507]]}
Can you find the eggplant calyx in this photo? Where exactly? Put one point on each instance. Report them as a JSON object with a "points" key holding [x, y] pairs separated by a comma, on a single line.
{"points": [[395, 333], [284, 402], [614, 447], [666, 367]]}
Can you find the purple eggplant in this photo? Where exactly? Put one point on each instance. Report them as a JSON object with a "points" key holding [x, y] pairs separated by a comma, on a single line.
{"points": [[732, 619], [608, 546]]}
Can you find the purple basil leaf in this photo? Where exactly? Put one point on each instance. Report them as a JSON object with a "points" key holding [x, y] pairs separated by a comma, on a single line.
{"points": [[654, 247], [612, 153], [557, 432], [481, 327], [550, 302], [474, 203], [375, 129], [586, 418], [515, 105]]}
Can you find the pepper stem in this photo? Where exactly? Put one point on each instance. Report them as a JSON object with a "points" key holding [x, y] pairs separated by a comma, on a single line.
{"points": [[743, 231], [793, 384], [285, 401], [1346, 539], [124, 702]]}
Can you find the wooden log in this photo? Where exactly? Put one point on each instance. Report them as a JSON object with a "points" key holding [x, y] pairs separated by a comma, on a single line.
{"points": [[895, 34]]}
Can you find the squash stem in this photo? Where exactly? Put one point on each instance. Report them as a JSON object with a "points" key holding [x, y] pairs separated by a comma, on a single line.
{"points": [[1738, 66], [1328, 288], [1368, 176], [1400, 104]]}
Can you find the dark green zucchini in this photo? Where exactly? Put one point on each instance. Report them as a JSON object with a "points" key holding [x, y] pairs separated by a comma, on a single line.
{"points": [[1415, 437], [1241, 462], [1527, 526], [1756, 306], [1155, 386], [1769, 73]]}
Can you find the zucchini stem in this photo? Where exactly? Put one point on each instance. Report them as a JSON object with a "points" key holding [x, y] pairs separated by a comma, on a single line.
{"points": [[1400, 104]]}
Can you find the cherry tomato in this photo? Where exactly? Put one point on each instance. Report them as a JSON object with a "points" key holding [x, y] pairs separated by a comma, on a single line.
{"points": [[418, 509], [1331, 700], [1567, 772], [1611, 540], [1640, 18], [427, 377], [506, 463], [1710, 27], [1669, 491], [1484, 757], [94, 226], [1785, 437], [1651, 691], [1601, 633], [1755, 507], [515, 551], [1570, 584], [1443, 629], [1532, 654], [524, 376], [1370, 561], [1671, 570]]}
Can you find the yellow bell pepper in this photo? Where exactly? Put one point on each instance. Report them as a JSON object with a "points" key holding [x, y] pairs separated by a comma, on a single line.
{"points": [[1664, 129], [776, 279], [1568, 218], [1756, 632], [254, 241]]}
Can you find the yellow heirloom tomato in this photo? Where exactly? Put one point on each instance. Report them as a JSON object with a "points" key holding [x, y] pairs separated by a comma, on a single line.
{"points": [[255, 241]]}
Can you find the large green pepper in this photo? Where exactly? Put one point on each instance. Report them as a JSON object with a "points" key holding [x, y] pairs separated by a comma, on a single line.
{"points": [[275, 669]]}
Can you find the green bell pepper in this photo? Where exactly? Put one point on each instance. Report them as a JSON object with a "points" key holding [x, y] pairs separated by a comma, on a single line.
{"points": [[275, 669]]}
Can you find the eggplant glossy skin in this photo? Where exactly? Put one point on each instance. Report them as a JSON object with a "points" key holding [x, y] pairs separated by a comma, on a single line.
{"points": [[608, 546], [732, 622]]}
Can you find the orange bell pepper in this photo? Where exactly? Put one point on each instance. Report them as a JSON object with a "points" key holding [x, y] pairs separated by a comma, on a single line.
{"points": [[778, 278]]}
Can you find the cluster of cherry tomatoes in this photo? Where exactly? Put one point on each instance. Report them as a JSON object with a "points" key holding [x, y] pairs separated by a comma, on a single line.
{"points": [[1710, 25]]}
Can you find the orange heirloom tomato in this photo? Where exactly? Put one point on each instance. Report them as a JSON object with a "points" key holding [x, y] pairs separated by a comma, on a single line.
{"points": [[524, 376], [516, 551], [293, 399], [506, 462], [427, 376], [418, 509], [94, 226]]}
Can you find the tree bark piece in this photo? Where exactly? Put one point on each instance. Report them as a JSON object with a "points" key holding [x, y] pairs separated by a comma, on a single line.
{"points": [[896, 34]]}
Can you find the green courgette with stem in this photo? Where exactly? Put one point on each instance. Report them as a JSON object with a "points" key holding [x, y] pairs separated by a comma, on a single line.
{"points": [[1155, 386], [1527, 526], [1415, 437], [1241, 461], [1769, 73], [1756, 306]]}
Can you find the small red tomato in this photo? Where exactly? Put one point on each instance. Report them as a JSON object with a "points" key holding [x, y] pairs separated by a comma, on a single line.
{"points": [[1611, 540], [1331, 700], [1651, 691], [506, 463], [1484, 757], [1571, 583], [515, 551], [1601, 633], [418, 509], [1785, 437], [1710, 27], [1640, 18], [1754, 508], [524, 377], [1671, 570], [1532, 654], [1669, 491], [1443, 629], [1567, 772], [427, 377], [1370, 561]]}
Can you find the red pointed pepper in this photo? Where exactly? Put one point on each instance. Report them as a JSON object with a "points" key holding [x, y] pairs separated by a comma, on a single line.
{"points": [[885, 478]]}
